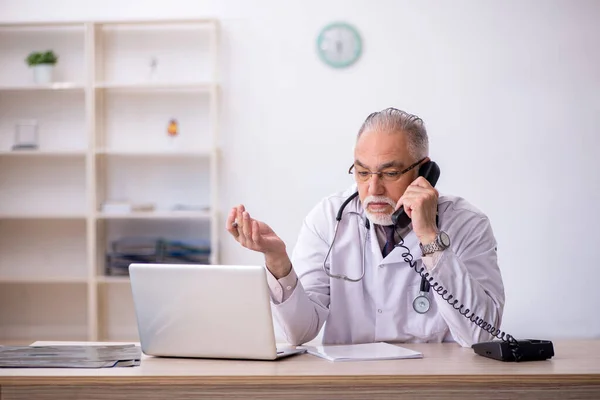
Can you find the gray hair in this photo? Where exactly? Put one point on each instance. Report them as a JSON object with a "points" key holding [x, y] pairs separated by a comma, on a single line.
{"points": [[394, 120]]}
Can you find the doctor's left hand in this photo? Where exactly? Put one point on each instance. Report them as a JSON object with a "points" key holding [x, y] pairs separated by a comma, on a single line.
{"points": [[258, 236], [420, 202]]}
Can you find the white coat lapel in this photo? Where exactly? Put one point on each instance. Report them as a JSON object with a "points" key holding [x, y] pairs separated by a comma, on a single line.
{"points": [[375, 248]]}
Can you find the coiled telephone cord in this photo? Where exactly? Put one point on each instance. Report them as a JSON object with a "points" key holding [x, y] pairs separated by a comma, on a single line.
{"points": [[465, 312]]}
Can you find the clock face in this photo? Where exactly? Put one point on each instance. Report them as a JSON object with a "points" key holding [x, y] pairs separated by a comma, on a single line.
{"points": [[339, 45]]}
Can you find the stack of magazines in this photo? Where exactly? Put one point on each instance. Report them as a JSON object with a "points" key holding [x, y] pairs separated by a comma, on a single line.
{"points": [[68, 356], [154, 250]]}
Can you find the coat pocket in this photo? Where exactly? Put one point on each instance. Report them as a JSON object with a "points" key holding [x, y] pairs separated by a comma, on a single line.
{"points": [[427, 327]]}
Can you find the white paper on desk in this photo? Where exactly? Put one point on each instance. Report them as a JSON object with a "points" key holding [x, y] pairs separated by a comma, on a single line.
{"points": [[362, 352]]}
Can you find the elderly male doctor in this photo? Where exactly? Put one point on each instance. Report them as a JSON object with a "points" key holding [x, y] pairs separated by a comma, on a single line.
{"points": [[361, 286]]}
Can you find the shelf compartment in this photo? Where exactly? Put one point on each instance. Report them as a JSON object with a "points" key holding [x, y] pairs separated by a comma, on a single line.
{"points": [[35, 186], [143, 233], [43, 250], [60, 117], [134, 120], [117, 313], [43, 312], [153, 52], [165, 183], [16, 43]]}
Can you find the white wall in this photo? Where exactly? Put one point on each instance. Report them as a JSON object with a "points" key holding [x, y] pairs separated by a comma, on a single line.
{"points": [[510, 92]]}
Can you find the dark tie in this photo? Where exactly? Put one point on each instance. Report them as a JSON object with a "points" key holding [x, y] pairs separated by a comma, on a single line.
{"points": [[389, 240]]}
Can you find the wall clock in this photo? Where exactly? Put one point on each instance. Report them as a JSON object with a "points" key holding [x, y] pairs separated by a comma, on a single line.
{"points": [[339, 45]]}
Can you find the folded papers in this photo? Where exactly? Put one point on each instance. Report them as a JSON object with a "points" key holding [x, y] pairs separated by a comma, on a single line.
{"points": [[363, 352], [69, 356]]}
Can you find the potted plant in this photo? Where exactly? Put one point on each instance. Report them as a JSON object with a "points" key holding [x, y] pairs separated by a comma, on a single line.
{"points": [[43, 65]]}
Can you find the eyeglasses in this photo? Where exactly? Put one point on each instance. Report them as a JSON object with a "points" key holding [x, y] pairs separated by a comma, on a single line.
{"points": [[387, 175]]}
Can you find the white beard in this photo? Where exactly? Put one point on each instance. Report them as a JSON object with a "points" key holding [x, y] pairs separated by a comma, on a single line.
{"points": [[379, 218]]}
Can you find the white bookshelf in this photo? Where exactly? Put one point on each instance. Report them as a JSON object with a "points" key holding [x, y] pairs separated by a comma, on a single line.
{"points": [[60, 86], [102, 137], [149, 215], [43, 153]]}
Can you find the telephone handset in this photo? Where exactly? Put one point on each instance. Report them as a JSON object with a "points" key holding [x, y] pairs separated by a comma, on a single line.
{"points": [[505, 349], [429, 171]]}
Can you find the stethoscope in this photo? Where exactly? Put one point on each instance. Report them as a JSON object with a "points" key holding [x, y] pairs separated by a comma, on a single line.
{"points": [[421, 303]]}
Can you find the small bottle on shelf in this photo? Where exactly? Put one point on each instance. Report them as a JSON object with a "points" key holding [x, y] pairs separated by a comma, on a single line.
{"points": [[172, 132]]}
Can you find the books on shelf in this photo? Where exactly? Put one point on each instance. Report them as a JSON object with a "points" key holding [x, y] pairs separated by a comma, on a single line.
{"points": [[129, 250]]}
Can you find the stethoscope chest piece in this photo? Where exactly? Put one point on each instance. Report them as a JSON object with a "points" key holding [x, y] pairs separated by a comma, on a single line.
{"points": [[421, 303]]}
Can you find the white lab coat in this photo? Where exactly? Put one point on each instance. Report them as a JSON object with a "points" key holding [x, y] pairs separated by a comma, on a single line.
{"points": [[379, 307]]}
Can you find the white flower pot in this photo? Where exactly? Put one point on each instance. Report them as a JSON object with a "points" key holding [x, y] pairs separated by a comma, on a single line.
{"points": [[42, 73]]}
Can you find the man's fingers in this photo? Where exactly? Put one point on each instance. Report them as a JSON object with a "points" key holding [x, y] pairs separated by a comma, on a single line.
{"points": [[417, 195], [255, 233], [238, 216], [231, 224], [230, 219], [421, 182], [422, 185], [413, 199], [244, 228], [418, 199], [414, 189], [247, 225]]}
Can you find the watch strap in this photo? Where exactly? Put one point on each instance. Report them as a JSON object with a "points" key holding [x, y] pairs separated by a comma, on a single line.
{"points": [[432, 247]]}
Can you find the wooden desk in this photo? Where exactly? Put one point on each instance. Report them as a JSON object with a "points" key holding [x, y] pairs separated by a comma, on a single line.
{"points": [[447, 371]]}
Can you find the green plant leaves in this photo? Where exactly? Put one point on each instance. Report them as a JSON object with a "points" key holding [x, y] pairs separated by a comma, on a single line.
{"points": [[40, 57]]}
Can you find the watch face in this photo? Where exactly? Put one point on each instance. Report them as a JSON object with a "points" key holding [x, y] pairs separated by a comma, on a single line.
{"points": [[444, 239]]}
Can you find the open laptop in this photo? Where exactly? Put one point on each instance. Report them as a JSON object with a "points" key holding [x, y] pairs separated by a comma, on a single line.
{"points": [[205, 311]]}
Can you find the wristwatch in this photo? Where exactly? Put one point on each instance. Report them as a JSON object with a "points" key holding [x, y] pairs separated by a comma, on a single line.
{"points": [[441, 242]]}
